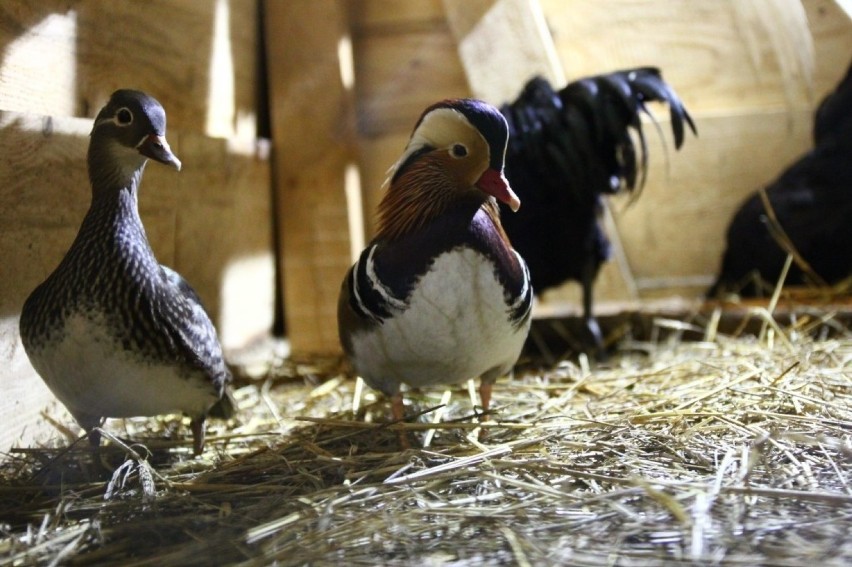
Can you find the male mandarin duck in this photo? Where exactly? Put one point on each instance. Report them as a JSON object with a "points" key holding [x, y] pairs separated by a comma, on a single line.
{"points": [[439, 296], [111, 331]]}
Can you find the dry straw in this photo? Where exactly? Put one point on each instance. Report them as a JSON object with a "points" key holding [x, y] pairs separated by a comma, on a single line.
{"points": [[727, 450]]}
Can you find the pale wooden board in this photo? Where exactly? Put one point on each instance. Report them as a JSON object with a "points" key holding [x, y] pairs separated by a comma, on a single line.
{"points": [[394, 16], [701, 47], [405, 60], [676, 228], [313, 129], [375, 156], [215, 212], [65, 58], [750, 127], [399, 74], [502, 44]]}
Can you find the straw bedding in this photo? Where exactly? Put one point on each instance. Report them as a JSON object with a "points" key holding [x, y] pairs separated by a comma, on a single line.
{"points": [[726, 450]]}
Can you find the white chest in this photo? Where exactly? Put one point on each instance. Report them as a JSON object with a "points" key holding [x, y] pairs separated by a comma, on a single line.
{"points": [[91, 373], [456, 327]]}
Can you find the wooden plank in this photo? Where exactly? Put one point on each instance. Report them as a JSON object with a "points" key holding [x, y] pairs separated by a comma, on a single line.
{"points": [[65, 58], [313, 130], [676, 229], [831, 27], [394, 16], [195, 220], [37, 223], [703, 48], [673, 235], [503, 47], [748, 129], [845, 6], [375, 156], [399, 74], [38, 66], [405, 60]]}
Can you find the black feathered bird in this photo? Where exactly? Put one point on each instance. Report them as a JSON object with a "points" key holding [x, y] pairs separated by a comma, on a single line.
{"points": [[566, 150], [812, 202]]}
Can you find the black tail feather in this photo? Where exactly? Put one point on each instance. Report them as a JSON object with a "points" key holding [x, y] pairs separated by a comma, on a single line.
{"points": [[566, 149]]}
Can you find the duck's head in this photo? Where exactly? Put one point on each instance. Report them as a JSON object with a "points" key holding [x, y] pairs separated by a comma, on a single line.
{"points": [[456, 153]]}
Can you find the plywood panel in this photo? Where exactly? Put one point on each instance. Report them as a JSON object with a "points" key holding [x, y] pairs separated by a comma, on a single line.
{"points": [[674, 234], [702, 47], [498, 62], [503, 44], [676, 228], [753, 115], [313, 132], [64, 58], [394, 16], [399, 75], [375, 156]]}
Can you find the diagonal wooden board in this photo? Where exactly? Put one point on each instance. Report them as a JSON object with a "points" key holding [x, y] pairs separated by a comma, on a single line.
{"points": [[502, 44]]}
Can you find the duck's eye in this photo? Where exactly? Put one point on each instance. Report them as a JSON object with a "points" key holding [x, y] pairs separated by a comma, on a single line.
{"points": [[458, 151], [124, 117]]}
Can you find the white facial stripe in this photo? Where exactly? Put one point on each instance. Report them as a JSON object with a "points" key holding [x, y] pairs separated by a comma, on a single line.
{"points": [[112, 120], [142, 141], [440, 128]]}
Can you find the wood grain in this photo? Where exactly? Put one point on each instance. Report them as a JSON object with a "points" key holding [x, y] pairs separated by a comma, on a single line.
{"points": [[502, 44], [701, 46], [64, 58], [313, 128], [399, 74]]}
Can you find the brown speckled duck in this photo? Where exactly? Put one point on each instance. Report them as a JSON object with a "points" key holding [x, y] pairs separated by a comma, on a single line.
{"points": [[111, 331]]}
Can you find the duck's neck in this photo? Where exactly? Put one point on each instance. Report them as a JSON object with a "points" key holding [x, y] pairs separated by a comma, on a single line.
{"points": [[113, 168], [113, 222]]}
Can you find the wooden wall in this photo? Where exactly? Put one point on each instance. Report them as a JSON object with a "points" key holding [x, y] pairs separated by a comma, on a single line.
{"points": [[59, 62]]}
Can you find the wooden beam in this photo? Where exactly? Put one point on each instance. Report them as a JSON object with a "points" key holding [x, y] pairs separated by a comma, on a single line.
{"points": [[313, 143]]}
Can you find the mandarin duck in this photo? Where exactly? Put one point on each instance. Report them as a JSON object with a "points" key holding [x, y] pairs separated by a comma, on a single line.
{"points": [[111, 331], [439, 296]]}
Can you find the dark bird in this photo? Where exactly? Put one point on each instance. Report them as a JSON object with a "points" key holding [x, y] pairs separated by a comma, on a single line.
{"points": [[566, 150], [812, 207], [111, 331], [439, 296]]}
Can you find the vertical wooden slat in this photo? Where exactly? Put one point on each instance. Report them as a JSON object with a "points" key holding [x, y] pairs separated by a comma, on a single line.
{"points": [[313, 141]]}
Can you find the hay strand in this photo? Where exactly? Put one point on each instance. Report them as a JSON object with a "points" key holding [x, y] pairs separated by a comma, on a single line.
{"points": [[733, 449]]}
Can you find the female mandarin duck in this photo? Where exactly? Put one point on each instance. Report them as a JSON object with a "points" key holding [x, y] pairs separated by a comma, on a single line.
{"points": [[111, 331], [440, 296]]}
